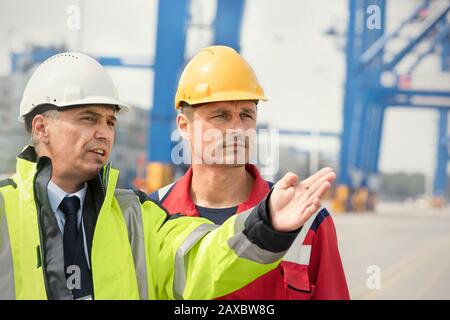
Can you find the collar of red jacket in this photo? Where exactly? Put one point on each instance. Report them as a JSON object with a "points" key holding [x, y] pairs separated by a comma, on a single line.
{"points": [[179, 198]]}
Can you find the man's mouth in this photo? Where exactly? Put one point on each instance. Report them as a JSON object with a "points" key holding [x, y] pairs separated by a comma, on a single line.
{"points": [[99, 151], [235, 145]]}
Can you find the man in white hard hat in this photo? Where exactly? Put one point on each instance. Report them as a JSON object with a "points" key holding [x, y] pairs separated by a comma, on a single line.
{"points": [[67, 232]]}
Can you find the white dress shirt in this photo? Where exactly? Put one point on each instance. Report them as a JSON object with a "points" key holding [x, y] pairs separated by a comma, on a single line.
{"points": [[56, 196]]}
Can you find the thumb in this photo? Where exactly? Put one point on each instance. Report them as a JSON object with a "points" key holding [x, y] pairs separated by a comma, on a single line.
{"points": [[288, 180]]}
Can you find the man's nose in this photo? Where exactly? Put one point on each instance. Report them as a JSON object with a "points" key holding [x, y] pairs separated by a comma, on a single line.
{"points": [[104, 132], [236, 122]]}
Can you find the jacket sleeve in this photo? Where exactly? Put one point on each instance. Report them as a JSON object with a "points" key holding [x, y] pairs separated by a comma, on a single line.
{"points": [[326, 271], [191, 258]]}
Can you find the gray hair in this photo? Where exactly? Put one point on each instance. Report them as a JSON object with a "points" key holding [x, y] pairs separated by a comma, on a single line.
{"points": [[51, 114]]}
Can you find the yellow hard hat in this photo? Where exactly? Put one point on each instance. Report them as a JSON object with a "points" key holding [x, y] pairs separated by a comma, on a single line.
{"points": [[217, 73]]}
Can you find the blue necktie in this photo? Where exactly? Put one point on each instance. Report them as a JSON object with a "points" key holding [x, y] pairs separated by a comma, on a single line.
{"points": [[70, 206], [74, 248]]}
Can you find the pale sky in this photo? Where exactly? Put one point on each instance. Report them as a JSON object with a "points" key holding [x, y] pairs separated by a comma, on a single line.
{"points": [[301, 70]]}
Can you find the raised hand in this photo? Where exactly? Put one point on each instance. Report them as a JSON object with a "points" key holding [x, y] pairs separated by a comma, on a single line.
{"points": [[292, 203]]}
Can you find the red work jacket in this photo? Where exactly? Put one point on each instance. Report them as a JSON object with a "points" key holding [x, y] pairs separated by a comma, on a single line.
{"points": [[312, 268]]}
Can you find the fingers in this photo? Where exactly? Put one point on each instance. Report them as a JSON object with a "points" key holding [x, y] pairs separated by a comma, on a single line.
{"points": [[309, 201], [321, 190], [317, 202], [310, 210], [289, 180], [310, 198], [305, 198], [310, 180], [329, 177]]}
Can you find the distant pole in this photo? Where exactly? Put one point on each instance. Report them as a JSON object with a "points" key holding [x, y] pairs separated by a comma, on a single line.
{"points": [[440, 176]]}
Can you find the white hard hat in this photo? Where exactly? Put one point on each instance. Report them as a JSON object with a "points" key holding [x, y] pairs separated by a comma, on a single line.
{"points": [[69, 79]]}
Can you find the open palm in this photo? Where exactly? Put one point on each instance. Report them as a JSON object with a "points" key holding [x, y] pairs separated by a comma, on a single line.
{"points": [[292, 203]]}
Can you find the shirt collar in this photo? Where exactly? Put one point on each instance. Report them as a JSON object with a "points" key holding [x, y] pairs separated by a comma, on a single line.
{"points": [[179, 200], [56, 194]]}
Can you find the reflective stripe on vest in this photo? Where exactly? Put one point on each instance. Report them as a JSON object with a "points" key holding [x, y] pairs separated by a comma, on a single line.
{"points": [[7, 288], [246, 249], [131, 210], [179, 281]]}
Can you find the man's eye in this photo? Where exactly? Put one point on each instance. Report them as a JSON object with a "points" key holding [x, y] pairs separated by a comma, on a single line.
{"points": [[220, 116], [111, 124], [89, 119]]}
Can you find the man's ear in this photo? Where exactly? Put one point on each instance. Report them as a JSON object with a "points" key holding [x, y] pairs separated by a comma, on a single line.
{"points": [[183, 124], [39, 128]]}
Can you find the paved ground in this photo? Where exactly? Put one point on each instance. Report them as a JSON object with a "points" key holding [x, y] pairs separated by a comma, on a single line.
{"points": [[410, 246]]}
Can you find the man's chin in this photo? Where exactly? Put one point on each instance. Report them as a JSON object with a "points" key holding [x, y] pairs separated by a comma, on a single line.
{"points": [[93, 170], [236, 160], [231, 165]]}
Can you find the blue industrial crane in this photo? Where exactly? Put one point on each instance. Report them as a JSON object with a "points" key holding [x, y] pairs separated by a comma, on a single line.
{"points": [[366, 99], [169, 61]]}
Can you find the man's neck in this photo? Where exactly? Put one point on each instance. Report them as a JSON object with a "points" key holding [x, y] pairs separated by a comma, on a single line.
{"points": [[220, 186], [66, 183], [68, 187]]}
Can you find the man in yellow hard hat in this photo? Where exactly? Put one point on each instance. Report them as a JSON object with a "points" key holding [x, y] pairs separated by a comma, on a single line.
{"points": [[67, 231], [217, 97]]}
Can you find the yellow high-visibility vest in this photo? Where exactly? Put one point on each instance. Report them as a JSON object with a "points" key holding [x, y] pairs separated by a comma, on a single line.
{"points": [[138, 251]]}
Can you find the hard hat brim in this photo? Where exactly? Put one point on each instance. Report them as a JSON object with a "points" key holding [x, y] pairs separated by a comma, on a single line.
{"points": [[122, 107], [223, 96]]}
